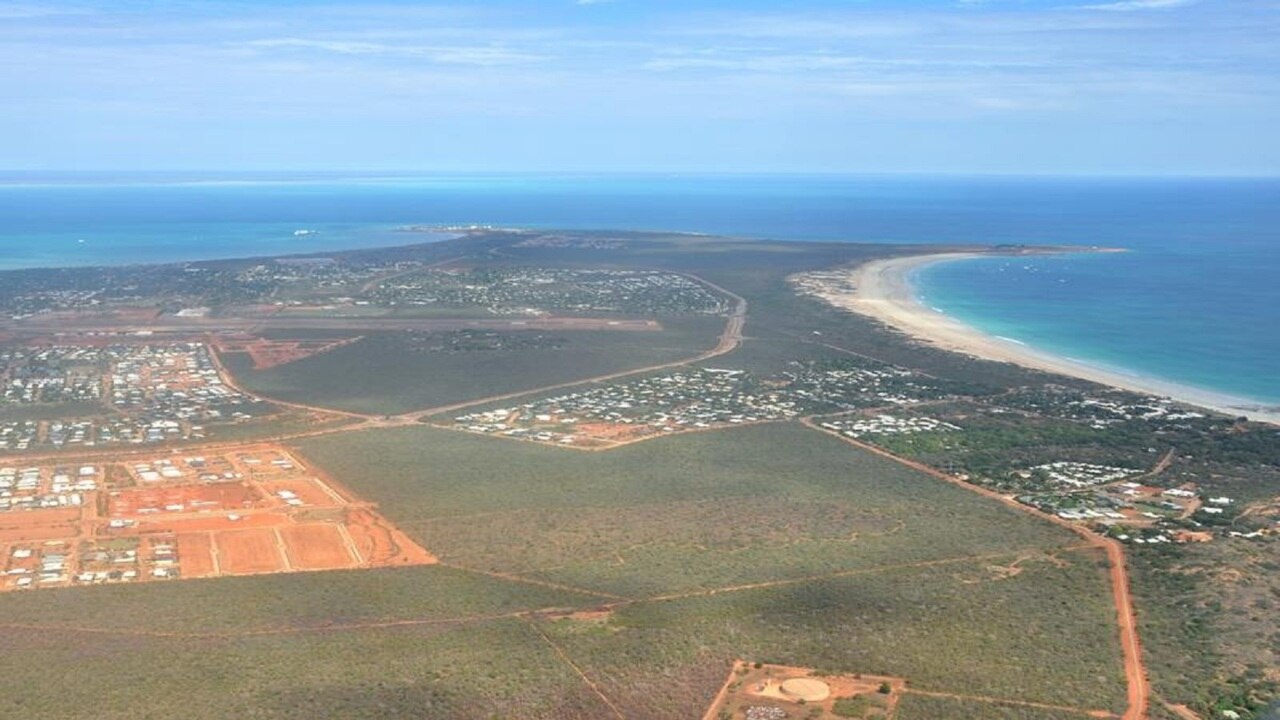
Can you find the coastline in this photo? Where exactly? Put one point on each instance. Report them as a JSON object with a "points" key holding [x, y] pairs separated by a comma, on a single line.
{"points": [[882, 289], [244, 242]]}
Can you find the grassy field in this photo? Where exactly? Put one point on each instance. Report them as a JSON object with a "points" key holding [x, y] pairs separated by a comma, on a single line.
{"points": [[383, 374]]}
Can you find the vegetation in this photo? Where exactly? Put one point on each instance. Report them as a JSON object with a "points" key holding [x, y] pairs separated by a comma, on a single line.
{"points": [[991, 444], [922, 707], [286, 602], [694, 511], [852, 707], [1208, 624], [391, 373], [684, 515], [499, 668], [951, 628]]}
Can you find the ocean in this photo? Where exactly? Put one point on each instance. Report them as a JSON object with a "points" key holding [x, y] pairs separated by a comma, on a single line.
{"points": [[1196, 300]]}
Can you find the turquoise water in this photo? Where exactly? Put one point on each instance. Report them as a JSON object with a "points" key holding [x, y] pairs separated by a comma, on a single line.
{"points": [[1196, 301], [1190, 317]]}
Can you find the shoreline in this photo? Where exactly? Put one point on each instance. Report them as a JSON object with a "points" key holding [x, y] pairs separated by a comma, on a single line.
{"points": [[883, 290], [393, 240]]}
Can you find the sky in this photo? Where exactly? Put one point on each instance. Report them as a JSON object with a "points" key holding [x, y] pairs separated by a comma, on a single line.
{"points": [[1114, 87]]}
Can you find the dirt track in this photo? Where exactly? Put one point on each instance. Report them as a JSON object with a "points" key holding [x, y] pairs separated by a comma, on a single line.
{"points": [[564, 657]]}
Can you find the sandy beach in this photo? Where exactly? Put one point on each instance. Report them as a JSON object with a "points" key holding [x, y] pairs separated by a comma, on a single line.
{"points": [[883, 289]]}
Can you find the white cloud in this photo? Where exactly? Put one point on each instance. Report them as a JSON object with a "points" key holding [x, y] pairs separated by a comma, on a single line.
{"points": [[757, 61], [21, 11], [487, 55], [1131, 5]]}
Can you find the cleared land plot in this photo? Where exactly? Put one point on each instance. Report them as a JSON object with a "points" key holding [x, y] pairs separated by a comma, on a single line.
{"points": [[179, 498], [39, 524], [207, 523], [316, 547], [699, 511], [387, 373], [196, 553], [807, 691], [304, 491], [244, 552], [267, 354]]}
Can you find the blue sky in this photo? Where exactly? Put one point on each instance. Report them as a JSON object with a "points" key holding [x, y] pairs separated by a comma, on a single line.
{"points": [[1148, 87]]}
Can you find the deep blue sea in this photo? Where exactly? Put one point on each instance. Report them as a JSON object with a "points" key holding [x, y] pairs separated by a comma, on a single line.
{"points": [[1196, 301]]}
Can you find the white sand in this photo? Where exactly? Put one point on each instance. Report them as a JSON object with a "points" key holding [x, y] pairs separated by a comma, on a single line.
{"points": [[882, 289]]}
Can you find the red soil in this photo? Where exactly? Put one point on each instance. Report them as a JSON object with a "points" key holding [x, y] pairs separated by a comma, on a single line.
{"points": [[307, 491], [244, 552], [29, 518], [614, 431], [380, 544], [206, 524], [30, 533], [272, 353], [218, 497], [195, 554], [316, 546], [23, 525]]}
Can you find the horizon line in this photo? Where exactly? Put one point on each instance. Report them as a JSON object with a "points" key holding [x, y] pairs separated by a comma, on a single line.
{"points": [[373, 173]]}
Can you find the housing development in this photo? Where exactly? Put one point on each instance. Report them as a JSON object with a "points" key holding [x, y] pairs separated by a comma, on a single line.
{"points": [[699, 398], [538, 290], [251, 509], [153, 393]]}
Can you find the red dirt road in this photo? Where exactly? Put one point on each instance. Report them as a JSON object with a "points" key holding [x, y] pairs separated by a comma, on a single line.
{"points": [[1135, 672]]}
